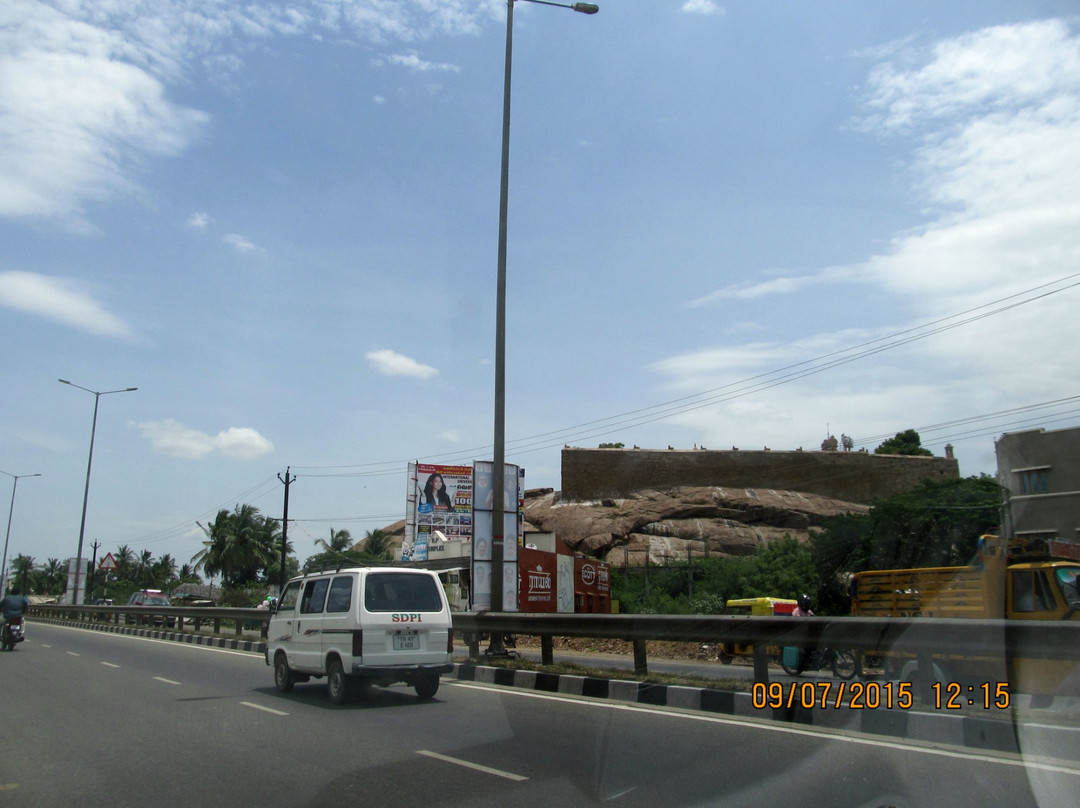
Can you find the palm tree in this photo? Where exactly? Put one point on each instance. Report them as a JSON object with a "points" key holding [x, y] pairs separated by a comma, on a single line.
{"points": [[339, 540], [187, 575], [378, 544], [22, 567], [125, 560], [54, 576], [239, 545], [144, 568], [164, 570]]}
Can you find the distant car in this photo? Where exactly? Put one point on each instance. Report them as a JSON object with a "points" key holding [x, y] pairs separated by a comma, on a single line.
{"points": [[150, 597]]}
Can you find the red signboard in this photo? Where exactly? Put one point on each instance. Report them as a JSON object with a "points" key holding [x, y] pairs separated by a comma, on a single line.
{"points": [[536, 580], [592, 586]]}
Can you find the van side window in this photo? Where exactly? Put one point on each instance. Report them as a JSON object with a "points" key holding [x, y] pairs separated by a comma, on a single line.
{"points": [[340, 594], [401, 592], [314, 596], [289, 597]]}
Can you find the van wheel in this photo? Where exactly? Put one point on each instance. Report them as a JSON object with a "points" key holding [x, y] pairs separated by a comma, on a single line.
{"points": [[283, 675], [338, 685], [426, 686]]}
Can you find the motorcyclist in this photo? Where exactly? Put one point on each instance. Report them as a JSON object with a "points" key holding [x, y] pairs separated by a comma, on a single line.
{"points": [[802, 609], [13, 605]]}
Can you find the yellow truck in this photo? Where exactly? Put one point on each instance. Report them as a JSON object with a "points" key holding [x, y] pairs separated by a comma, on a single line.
{"points": [[1010, 579]]}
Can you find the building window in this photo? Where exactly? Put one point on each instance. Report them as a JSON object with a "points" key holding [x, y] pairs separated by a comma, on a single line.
{"points": [[1035, 481]]}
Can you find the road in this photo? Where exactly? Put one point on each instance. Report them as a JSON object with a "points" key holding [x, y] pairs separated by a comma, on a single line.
{"points": [[95, 719]]}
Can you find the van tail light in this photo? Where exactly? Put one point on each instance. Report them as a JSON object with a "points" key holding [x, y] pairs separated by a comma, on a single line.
{"points": [[450, 641], [358, 643]]}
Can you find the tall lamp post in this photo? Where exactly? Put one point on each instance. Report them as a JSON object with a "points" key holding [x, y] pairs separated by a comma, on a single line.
{"points": [[11, 510], [498, 518], [86, 490]]}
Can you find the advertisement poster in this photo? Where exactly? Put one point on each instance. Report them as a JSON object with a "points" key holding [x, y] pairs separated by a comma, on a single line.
{"points": [[565, 579], [482, 533], [439, 508]]}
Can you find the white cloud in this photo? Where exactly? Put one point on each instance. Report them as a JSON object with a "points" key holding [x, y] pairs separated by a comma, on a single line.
{"points": [[63, 300], [239, 243], [413, 62], [390, 363], [76, 119], [242, 442], [993, 118], [707, 7], [451, 435], [199, 220], [777, 286], [84, 85], [173, 438]]}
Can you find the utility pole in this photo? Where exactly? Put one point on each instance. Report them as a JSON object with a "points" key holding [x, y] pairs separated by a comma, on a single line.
{"points": [[288, 480], [93, 568]]}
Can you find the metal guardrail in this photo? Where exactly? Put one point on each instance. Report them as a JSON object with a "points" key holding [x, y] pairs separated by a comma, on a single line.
{"points": [[194, 617], [922, 638]]}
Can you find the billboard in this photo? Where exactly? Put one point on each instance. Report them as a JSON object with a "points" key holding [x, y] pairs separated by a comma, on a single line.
{"points": [[439, 508], [513, 529]]}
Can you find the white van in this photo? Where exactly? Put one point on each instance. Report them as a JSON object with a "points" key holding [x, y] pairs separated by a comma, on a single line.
{"points": [[358, 627]]}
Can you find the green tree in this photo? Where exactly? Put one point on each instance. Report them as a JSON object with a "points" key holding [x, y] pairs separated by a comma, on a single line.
{"points": [[782, 569], [239, 546], [187, 575], [22, 569], [377, 545], [340, 540], [936, 524], [53, 576], [907, 442], [125, 562]]}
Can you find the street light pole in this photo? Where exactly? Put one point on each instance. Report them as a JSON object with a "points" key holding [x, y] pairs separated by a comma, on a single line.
{"points": [[11, 510], [86, 490], [498, 518]]}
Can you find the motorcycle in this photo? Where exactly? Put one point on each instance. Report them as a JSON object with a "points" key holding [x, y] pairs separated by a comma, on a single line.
{"points": [[843, 661], [11, 634]]}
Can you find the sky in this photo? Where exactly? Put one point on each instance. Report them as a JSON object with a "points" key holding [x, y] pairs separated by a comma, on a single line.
{"points": [[735, 223]]}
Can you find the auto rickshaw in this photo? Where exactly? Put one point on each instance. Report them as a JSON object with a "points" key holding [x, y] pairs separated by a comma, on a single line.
{"points": [[760, 607]]}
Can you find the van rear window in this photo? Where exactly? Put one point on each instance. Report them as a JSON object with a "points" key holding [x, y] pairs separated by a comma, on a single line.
{"points": [[401, 592]]}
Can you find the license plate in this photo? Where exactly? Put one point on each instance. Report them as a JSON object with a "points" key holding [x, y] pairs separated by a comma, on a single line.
{"points": [[406, 642]]}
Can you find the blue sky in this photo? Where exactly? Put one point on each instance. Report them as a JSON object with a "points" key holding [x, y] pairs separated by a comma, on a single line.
{"points": [[731, 224]]}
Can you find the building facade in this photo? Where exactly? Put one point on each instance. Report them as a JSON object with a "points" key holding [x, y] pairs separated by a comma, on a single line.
{"points": [[1039, 473]]}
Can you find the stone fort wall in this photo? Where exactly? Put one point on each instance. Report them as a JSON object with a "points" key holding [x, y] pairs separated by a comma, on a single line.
{"points": [[861, 477]]}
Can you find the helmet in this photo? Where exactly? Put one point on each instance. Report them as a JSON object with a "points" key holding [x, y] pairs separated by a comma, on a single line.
{"points": [[804, 602]]}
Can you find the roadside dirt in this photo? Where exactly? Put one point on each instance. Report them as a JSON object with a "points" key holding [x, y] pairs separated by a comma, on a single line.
{"points": [[654, 649]]}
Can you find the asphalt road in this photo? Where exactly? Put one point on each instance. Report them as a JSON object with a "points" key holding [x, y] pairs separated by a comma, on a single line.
{"points": [[95, 719]]}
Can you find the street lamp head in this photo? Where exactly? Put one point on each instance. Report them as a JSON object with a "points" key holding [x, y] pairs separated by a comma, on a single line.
{"points": [[585, 8]]}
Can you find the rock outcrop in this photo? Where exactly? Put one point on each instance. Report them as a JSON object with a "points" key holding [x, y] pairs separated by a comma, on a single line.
{"points": [[677, 522]]}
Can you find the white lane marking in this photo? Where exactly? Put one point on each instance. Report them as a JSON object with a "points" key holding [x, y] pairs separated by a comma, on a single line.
{"points": [[109, 665], [820, 734], [190, 645], [486, 769], [46, 645], [264, 709], [72, 653], [166, 681]]}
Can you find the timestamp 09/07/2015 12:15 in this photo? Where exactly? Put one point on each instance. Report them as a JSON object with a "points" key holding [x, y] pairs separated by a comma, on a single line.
{"points": [[878, 695]]}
